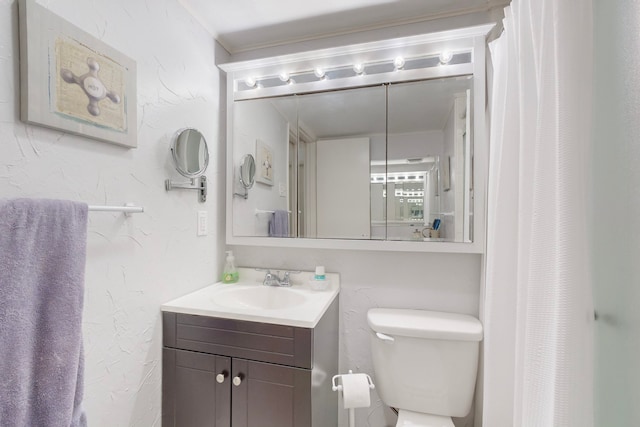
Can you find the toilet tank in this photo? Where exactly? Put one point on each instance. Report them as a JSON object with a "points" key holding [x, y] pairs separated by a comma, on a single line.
{"points": [[425, 361]]}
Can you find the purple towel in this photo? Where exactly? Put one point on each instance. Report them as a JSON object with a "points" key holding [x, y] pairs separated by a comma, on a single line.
{"points": [[279, 224], [42, 262]]}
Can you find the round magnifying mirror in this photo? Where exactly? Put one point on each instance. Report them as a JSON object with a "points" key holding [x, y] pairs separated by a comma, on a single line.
{"points": [[247, 171], [190, 153]]}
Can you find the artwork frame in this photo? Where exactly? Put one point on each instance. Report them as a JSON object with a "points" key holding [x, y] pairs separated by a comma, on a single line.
{"points": [[264, 162], [73, 82]]}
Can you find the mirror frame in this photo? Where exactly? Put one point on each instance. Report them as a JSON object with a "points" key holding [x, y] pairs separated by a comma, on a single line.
{"points": [[465, 40]]}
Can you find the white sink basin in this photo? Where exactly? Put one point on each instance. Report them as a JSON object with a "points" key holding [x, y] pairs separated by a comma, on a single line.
{"points": [[298, 305], [259, 298]]}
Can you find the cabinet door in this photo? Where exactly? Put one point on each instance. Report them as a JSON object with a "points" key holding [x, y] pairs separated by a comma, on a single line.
{"points": [[191, 393], [267, 395]]}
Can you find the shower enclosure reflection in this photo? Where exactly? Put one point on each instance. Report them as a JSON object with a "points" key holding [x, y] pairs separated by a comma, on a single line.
{"points": [[404, 200]]}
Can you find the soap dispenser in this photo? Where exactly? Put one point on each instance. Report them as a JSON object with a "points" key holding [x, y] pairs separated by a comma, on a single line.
{"points": [[230, 272]]}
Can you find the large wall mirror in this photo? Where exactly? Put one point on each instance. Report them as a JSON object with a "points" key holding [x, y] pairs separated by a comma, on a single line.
{"points": [[388, 162], [385, 154]]}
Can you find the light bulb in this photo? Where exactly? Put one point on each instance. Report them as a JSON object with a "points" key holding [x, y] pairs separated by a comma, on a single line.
{"points": [[398, 63], [358, 68], [284, 76], [446, 56], [251, 81], [319, 72]]}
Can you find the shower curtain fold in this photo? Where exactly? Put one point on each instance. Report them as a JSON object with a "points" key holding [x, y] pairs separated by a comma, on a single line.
{"points": [[538, 342]]}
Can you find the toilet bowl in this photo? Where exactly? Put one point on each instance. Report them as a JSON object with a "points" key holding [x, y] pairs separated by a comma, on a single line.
{"points": [[417, 419], [425, 363]]}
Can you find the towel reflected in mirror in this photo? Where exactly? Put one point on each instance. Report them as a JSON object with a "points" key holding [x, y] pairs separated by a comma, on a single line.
{"points": [[279, 223]]}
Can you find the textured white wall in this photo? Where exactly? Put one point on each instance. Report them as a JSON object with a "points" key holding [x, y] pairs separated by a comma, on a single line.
{"points": [[133, 265]]}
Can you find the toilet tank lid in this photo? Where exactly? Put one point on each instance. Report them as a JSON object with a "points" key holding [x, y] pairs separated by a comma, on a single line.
{"points": [[425, 324]]}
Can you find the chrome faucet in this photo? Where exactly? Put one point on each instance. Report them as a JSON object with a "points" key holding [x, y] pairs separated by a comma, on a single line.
{"points": [[273, 279]]}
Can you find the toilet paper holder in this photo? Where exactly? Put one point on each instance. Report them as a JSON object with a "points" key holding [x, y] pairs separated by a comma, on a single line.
{"points": [[338, 387]]}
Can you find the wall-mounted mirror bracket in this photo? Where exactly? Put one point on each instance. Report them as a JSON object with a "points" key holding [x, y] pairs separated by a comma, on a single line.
{"points": [[190, 157], [199, 184], [244, 196]]}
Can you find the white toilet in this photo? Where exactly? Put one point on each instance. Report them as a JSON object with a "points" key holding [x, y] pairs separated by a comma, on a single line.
{"points": [[425, 363]]}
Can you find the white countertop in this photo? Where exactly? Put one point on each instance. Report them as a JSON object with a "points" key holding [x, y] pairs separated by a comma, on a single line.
{"points": [[306, 312]]}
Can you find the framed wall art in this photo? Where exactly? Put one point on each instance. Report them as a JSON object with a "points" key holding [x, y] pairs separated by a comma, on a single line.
{"points": [[71, 81], [264, 160]]}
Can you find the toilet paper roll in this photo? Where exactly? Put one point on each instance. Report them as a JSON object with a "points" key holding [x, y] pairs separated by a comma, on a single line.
{"points": [[355, 391]]}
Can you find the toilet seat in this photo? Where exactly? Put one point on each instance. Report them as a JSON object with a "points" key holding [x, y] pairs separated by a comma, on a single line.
{"points": [[417, 419]]}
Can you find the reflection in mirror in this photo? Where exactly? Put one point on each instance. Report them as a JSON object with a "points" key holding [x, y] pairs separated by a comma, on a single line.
{"points": [[340, 132], [247, 175], [190, 153], [263, 128], [429, 160], [247, 171], [384, 162]]}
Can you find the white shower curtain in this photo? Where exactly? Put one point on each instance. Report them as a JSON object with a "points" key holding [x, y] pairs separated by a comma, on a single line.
{"points": [[538, 310]]}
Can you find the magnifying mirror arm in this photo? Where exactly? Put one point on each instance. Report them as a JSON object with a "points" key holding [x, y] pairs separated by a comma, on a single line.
{"points": [[199, 184]]}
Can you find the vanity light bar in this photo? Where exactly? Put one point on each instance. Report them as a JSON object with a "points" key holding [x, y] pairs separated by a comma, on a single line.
{"points": [[359, 69], [404, 193], [382, 178], [398, 63], [445, 57]]}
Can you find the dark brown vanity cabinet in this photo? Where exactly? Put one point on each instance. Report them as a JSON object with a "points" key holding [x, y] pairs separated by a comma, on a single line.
{"points": [[231, 373], [191, 396]]}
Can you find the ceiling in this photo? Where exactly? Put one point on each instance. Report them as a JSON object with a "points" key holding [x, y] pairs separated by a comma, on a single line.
{"points": [[241, 25]]}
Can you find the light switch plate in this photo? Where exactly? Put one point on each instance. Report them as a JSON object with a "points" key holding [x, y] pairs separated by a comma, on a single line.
{"points": [[282, 189], [203, 223]]}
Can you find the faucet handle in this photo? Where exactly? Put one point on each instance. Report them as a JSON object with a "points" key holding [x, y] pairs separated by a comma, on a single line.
{"points": [[268, 276], [287, 275], [267, 272]]}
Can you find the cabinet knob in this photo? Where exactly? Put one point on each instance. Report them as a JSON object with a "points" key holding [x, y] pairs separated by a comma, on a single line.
{"points": [[237, 381], [220, 378]]}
